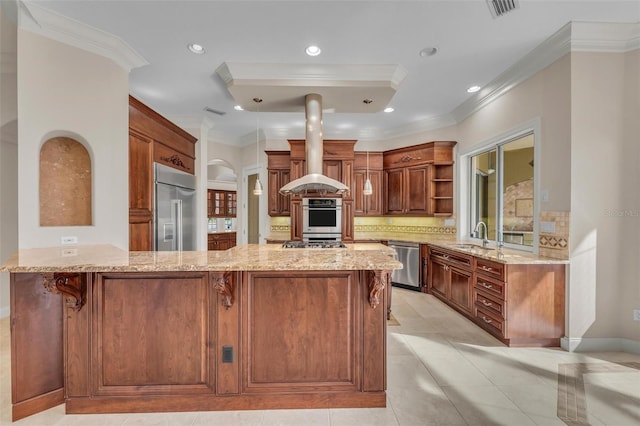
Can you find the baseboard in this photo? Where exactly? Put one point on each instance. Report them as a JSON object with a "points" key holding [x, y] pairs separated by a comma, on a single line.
{"points": [[4, 312], [606, 344]]}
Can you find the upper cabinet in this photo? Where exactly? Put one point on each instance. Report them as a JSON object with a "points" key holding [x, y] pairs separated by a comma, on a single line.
{"points": [[279, 175], [152, 138], [367, 205], [221, 203], [418, 180]]}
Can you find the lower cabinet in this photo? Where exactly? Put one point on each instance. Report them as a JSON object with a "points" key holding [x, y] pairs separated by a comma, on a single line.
{"points": [[520, 304], [451, 278], [221, 241]]}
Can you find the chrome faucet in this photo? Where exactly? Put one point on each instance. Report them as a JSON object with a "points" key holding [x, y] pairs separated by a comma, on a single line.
{"points": [[485, 240]]}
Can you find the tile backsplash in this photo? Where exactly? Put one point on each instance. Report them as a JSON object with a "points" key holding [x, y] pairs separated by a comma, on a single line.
{"points": [[416, 225], [555, 244]]}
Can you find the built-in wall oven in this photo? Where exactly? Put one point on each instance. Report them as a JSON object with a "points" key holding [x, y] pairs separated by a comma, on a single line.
{"points": [[321, 219]]}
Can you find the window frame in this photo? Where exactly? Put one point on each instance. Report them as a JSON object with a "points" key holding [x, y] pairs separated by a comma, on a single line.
{"points": [[464, 183]]}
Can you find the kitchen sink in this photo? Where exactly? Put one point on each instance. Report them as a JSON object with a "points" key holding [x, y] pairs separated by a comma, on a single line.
{"points": [[466, 246]]}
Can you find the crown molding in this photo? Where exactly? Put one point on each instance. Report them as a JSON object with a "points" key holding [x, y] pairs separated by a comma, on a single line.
{"points": [[572, 37], [44, 22]]}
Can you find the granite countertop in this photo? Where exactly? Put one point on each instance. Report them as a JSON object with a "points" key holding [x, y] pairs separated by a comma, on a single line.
{"points": [[503, 255], [247, 257], [450, 242], [231, 231]]}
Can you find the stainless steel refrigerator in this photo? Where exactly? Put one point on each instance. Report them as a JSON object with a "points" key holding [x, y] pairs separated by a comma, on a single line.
{"points": [[175, 209]]}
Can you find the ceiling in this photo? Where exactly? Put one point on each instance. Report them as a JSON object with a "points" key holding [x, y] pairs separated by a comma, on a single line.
{"points": [[473, 49]]}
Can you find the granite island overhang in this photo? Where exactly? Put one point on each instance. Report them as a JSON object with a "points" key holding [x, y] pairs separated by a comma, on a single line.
{"points": [[105, 330]]}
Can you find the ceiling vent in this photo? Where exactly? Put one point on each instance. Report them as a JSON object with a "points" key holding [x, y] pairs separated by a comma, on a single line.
{"points": [[215, 111], [502, 7]]}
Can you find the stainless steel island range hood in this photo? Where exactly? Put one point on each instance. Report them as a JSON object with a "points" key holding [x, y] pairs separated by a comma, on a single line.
{"points": [[314, 180]]}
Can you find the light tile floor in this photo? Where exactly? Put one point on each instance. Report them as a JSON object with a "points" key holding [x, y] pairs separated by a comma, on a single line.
{"points": [[442, 370]]}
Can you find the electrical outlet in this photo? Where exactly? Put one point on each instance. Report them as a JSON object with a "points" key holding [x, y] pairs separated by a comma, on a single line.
{"points": [[544, 195], [449, 222], [68, 240], [389, 220], [548, 227], [67, 252], [636, 314]]}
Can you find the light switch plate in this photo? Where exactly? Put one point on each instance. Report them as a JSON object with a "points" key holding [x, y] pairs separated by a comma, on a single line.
{"points": [[548, 227], [449, 222], [544, 195], [68, 240]]}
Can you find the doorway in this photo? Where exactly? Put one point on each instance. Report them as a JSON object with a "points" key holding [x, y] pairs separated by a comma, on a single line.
{"points": [[253, 218]]}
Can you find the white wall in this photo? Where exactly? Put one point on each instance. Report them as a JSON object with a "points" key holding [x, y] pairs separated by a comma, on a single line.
{"points": [[67, 91], [8, 150], [604, 196]]}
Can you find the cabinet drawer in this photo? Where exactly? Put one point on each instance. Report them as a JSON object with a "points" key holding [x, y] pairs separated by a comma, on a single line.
{"points": [[489, 268], [490, 320], [490, 303], [452, 257], [489, 286]]}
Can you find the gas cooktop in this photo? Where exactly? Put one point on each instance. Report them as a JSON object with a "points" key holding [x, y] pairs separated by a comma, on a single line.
{"points": [[313, 244]]}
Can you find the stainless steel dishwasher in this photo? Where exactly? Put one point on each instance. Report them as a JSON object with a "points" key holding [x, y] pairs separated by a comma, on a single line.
{"points": [[409, 255]]}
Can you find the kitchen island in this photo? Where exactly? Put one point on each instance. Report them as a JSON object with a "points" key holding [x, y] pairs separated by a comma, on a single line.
{"points": [[105, 330]]}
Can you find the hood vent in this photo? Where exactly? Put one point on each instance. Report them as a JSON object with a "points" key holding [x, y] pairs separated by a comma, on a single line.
{"points": [[314, 180]]}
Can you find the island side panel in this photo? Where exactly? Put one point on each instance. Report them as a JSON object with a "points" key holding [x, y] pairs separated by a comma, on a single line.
{"points": [[227, 320], [151, 334], [37, 367], [77, 335], [374, 357], [302, 332]]}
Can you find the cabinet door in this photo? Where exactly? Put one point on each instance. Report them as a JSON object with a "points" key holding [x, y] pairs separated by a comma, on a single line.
{"points": [[373, 202], [394, 190], [417, 190], [230, 203], [359, 199], [347, 220], [140, 193], [439, 278], [296, 219], [461, 292], [283, 200]]}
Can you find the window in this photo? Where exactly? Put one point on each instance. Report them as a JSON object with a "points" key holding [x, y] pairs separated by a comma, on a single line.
{"points": [[502, 192]]}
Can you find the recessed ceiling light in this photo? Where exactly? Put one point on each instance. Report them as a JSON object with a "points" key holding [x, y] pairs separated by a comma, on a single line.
{"points": [[196, 48], [428, 51], [389, 109], [238, 108], [313, 50], [473, 89]]}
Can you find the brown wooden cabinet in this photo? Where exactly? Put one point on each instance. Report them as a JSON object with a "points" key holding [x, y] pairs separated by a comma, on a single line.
{"points": [[520, 304], [451, 278], [418, 180], [221, 203], [367, 205], [152, 138], [221, 240], [279, 169]]}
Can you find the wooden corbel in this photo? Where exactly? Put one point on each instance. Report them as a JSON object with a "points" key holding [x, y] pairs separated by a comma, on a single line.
{"points": [[224, 285], [376, 285], [72, 285]]}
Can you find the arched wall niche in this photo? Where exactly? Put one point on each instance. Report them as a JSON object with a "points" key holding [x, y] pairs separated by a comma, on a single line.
{"points": [[65, 172]]}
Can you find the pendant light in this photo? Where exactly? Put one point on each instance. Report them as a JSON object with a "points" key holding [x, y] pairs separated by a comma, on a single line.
{"points": [[257, 189], [368, 189]]}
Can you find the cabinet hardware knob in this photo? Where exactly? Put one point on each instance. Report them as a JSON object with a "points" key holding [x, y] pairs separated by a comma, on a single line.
{"points": [[488, 321]]}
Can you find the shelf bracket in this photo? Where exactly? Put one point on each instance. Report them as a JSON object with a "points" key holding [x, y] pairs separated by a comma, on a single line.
{"points": [[72, 285], [376, 285], [224, 285]]}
